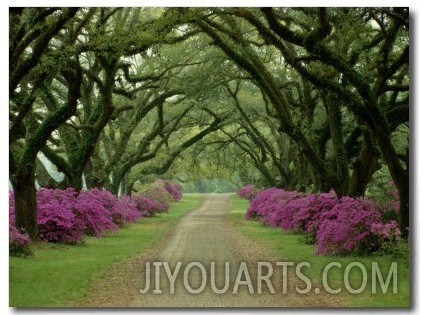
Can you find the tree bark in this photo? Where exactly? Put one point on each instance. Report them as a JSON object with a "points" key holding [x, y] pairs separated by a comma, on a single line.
{"points": [[364, 166], [23, 183], [334, 118]]}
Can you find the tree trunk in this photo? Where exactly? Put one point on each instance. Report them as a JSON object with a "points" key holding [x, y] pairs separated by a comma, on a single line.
{"points": [[114, 185], [335, 125], [398, 173], [75, 180], [366, 164], [26, 201], [92, 179], [302, 179], [129, 187], [123, 187]]}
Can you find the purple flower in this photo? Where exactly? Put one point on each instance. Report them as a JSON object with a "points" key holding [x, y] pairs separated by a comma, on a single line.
{"points": [[337, 226], [313, 207], [19, 242], [174, 189], [95, 208], [147, 206], [274, 207], [57, 220], [247, 192], [347, 227]]}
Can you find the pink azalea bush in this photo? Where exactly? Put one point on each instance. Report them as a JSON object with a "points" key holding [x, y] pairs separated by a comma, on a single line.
{"points": [[146, 206], [391, 206], [388, 231], [262, 203], [286, 207], [272, 207], [110, 211], [337, 227], [94, 207], [347, 227], [174, 189], [19, 242], [158, 193], [247, 192], [311, 212], [125, 211], [65, 216], [57, 219]]}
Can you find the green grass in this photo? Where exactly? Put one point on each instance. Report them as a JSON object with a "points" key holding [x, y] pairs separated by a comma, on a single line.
{"points": [[287, 246], [59, 275]]}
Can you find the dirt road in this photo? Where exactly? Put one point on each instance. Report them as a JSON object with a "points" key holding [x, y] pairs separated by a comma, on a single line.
{"points": [[202, 238]]}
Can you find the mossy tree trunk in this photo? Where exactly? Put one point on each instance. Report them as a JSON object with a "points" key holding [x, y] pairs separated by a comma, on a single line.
{"points": [[23, 183]]}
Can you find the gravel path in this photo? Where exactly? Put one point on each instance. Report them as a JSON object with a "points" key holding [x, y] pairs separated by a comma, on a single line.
{"points": [[201, 237]]}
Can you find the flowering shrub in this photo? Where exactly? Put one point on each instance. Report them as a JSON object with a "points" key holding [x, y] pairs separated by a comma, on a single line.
{"points": [[113, 212], [262, 203], [124, 211], [389, 208], [285, 209], [65, 216], [337, 227], [19, 242], [271, 206], [146, 206], [175, 190], [247, 192], [158, 193], [311, 212], [347, 227], [94, 207], [386, 231], [57, 221]]}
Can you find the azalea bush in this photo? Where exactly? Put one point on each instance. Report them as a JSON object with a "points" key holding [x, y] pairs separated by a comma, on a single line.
{"points": [[158, 193], [174, 189], [95, 207], [390, 206], [125, 211], [146, 206], [57, 219], [261, 205], [271, 207], [337, 227], [347, 227], [65, 216], [110, 210], [311, 212], [247, 192], [387, 231], [19, 242]]}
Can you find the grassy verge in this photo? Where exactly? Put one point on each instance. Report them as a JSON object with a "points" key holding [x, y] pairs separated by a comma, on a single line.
{"points": [[59, 275], [287, 246]]}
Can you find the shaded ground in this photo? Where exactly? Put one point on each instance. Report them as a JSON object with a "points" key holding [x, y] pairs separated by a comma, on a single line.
{"points": [[204, 235]]}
